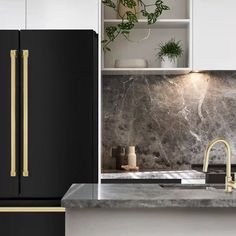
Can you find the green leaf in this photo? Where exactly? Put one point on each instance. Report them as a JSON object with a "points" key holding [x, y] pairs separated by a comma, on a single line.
{"points": [[125, 32], [165, 8], [104, 41], [152, 16], [108, 49], [128, 3], [126, 25], [110, 31], [109, 3], [144, 13], [131, 17]]}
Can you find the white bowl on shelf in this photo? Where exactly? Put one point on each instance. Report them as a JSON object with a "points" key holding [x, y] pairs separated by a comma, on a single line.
{"points": [[131, 63]]}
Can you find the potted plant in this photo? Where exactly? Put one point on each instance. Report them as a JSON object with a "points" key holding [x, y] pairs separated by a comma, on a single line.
{"points": [[128, 11], [169, 53]]}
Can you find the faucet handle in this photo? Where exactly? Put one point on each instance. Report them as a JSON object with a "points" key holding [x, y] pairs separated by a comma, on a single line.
{"points": [[234, 180]]}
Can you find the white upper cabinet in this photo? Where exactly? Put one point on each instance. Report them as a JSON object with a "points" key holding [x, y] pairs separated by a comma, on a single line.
{"points": [[214, 35], [12, 14], [63, 14]]}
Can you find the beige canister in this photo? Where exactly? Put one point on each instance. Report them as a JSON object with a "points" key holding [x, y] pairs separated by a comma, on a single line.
{"points": [[131, 156]]}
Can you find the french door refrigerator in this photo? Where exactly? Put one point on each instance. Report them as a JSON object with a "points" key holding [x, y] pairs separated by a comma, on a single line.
{"points": [[48, 121]]}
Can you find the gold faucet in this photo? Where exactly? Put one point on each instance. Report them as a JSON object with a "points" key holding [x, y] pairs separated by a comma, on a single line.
{"points": [[229, 183]]}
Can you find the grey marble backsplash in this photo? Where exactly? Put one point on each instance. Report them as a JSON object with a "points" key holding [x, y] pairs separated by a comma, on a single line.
{"points": [[170, 119]]}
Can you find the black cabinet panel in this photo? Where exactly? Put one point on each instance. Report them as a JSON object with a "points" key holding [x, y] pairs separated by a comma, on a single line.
{"points": [[9, 40], [36, 224], [62, 117]]}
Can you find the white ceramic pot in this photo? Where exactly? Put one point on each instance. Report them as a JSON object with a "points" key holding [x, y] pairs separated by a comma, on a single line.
{"points": [[166, 62]]}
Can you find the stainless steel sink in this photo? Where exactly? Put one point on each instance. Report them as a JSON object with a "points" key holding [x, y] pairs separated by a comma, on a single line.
{"points": [[192, 186]]}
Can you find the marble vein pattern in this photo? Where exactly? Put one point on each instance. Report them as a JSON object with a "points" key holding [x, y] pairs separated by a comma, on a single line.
{"points": [[170, 119], [144, 196], [181, 174]]}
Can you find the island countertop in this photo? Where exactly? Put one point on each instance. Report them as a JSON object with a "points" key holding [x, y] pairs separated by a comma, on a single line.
{"points": [[146, 196]]}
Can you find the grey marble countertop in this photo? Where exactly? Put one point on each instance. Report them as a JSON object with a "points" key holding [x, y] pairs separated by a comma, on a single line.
{"points": [[181, 174], [147, 196]]}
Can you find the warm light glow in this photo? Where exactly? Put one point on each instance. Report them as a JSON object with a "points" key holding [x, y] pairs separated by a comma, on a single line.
{"points": [[196, 76]]}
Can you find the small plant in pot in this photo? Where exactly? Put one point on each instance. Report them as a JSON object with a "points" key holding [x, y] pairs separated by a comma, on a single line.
{"points": [[169, 53]]}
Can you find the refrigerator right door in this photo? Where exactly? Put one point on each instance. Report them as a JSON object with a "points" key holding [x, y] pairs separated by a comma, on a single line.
{"points": [[59, 111], [9, 101]]}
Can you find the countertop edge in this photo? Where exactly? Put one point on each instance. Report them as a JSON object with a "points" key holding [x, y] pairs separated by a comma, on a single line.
{"points": [[165, 203]]}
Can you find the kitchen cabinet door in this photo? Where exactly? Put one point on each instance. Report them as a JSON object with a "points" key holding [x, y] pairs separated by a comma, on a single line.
{"points": [[214, 35], [12, 14], [62, 117], [63, 14], [32, 224], [9, 40]]}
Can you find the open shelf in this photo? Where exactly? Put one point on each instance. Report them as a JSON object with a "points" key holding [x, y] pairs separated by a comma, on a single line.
{"points": [[160, 24], [144, 40], [149, 71], [178, 10]]}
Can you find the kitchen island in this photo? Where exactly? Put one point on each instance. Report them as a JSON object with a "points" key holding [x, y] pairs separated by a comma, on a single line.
{"points": [[149, 209]]}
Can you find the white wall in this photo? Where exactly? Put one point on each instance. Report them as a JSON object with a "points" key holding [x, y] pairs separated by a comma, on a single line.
{"points": [[214, 35], [63, 14], [12, 14], [49, 14]]}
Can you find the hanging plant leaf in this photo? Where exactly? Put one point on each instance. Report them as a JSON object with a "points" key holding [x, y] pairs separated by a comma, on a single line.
{"points": [[131, 17], [126, 25], [128, 3], [110, 31], [109, 3]]}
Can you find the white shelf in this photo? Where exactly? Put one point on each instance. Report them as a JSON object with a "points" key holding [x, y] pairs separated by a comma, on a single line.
{"points": [[176, 23], [160, 24], [146, 71]]}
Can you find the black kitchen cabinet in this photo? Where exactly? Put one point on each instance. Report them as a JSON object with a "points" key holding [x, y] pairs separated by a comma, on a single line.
{"points": [[48, 124], [61, 118], [32, 224], [8, 41], [55, 95]]}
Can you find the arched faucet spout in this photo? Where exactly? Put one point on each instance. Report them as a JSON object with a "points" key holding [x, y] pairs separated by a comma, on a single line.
{"points": [[229, 184]]}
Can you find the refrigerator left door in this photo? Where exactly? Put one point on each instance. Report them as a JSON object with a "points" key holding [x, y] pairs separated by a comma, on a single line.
{"points": [[9, 107]]}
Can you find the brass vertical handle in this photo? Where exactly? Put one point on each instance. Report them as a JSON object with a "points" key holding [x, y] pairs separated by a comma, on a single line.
{"points": [[25, 113], [13, 112]]}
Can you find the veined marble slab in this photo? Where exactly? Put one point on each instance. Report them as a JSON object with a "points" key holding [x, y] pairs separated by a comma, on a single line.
{"points": [[182, 174], [144, 196], [170, 119]]}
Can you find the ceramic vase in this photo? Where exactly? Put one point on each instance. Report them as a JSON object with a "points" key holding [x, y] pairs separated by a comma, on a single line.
{"points": [[166, 62]]}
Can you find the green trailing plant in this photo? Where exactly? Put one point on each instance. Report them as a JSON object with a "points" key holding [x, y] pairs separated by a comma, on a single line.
{"points": [[171, 49], [130, 17]]}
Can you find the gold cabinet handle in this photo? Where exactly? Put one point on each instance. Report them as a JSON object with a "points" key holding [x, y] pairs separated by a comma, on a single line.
{"points": [[13, 112], [25, 113]]}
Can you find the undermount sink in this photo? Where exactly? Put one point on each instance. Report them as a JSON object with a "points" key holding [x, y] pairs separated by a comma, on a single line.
{"points": [[194, 186]]}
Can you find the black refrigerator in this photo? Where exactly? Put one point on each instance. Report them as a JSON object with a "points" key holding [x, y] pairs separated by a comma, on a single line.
{"points": [[48, 123]]}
